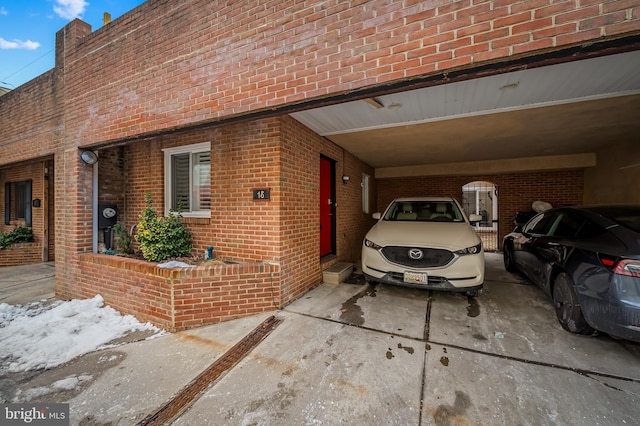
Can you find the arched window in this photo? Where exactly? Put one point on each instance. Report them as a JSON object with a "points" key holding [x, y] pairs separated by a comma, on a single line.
{"points": [[481, 197]]}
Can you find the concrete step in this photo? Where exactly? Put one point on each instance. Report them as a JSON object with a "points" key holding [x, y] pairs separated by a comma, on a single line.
{"points": [[337, 273]]}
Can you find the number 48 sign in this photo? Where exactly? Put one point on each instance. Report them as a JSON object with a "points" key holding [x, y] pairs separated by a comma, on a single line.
{"points": [[261, 194]]}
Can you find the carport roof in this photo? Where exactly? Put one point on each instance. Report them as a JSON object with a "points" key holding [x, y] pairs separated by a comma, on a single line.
{"points": [[557, 110]]}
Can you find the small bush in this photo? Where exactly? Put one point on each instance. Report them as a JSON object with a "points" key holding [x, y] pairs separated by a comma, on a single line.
{"points": [[19, 234], [123, 239], [160, 237]]}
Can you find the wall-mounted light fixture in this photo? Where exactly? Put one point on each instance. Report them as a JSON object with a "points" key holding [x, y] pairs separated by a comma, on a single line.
{"points": [[345, 179], [89, 157]]}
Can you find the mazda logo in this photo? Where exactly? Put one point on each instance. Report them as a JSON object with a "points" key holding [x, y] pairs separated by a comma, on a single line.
{"points": [[415, 254]]}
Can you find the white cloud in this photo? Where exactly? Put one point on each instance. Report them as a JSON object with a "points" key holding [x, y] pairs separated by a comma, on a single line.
{"points": [[70, 9], [18, 44], [3, 11]]}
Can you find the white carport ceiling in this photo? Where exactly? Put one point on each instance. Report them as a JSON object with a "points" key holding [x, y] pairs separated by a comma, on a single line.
{"points": [[570, 108]]}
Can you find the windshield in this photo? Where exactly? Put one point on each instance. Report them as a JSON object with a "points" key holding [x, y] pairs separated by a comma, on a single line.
{"points": [[425, 211]]}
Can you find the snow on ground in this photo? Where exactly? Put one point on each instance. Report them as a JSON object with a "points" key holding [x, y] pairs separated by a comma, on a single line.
{"points": [[68, 383], [40, 336]]}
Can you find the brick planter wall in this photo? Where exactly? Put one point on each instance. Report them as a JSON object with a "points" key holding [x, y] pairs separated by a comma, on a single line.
{"points": [[178, 298], [21, 254]]}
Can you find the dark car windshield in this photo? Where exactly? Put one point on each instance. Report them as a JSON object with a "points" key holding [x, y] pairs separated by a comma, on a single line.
{"points": [[627, 216], [426, 211]]}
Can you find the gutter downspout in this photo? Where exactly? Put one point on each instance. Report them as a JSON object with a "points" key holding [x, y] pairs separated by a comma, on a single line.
{"points": [[94, 193]]}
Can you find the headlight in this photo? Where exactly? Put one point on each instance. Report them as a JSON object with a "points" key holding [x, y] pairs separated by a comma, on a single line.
{"points": [[371, 244], [470, 250]]}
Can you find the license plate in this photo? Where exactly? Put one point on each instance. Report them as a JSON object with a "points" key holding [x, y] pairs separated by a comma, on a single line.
{"points": [[415, 277]]}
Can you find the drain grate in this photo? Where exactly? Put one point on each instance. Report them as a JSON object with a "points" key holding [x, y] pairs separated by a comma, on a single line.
{"points": [[189, 394]]}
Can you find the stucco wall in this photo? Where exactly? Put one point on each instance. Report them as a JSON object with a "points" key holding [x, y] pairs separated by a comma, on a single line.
{"points": [[616, 177]]}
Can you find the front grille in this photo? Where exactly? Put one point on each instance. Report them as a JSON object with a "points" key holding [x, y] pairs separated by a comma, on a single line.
{"points": [[431, 258]]}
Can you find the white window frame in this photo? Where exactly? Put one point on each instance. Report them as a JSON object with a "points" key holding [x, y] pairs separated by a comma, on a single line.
{"points": [[365, 193], [168, 195]]}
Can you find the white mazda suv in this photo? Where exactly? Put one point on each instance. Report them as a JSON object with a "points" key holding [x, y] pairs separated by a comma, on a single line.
{"points": [[427, 243]]}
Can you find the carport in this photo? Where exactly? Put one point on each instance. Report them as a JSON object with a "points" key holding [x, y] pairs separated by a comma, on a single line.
{"points": [[560, 127]]}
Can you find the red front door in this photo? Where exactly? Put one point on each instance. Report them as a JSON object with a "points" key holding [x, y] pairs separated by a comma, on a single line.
{"points": [[327, 207]]}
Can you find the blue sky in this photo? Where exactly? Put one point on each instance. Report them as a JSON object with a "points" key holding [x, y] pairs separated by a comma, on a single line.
{"points": [[28, 32]]}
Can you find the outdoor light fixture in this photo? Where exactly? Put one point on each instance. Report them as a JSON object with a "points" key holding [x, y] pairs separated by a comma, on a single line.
{"points": [[510, 86], [345, 179], [89, 157], [374, 103]]}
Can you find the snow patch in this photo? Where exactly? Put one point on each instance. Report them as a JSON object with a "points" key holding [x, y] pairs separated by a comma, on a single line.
{"points": [[174, 264], [37, 336], [66, 384]]}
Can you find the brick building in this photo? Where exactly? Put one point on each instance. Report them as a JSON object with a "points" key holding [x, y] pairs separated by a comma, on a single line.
{"points": [[216, 103]]}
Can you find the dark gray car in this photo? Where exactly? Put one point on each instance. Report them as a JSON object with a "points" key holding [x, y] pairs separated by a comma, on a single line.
{"points": [[587, 259]]}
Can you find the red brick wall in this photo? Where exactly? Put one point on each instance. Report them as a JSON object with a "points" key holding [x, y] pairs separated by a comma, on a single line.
{"points": [[352, 222], [244, 156], [21, 254], [301, 151], [558, 188], [177, 299], [170, 63], [74, 216], [31, 119], [111, 186], [276, 153]]}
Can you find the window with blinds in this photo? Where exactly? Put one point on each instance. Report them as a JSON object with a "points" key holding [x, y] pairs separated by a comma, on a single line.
{"points": [[201, 181], [188, 180], [17, 202]]}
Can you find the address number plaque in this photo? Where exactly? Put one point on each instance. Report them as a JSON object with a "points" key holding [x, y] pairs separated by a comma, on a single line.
{"points": [[261, 194]]}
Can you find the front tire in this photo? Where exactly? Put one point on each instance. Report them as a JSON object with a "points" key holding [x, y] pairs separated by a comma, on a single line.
{"points": [[567, 306], [507, 257]]}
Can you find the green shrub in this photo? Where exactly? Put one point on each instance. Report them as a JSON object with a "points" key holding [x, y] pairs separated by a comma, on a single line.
{"points": [[160, 237], [123, 239], [19, 234]]}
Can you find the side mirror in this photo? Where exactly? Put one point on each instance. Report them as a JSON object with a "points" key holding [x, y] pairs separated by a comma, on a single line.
{"points": [[474, 218], [376, 216]]}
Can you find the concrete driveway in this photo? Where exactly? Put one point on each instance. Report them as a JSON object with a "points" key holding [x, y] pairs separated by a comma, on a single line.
{"points": [[360, 354], [29, 283]]}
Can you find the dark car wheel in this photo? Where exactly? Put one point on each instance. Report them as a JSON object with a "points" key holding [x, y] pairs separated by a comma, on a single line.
{"points": [[568, 311], [507, 256]]}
